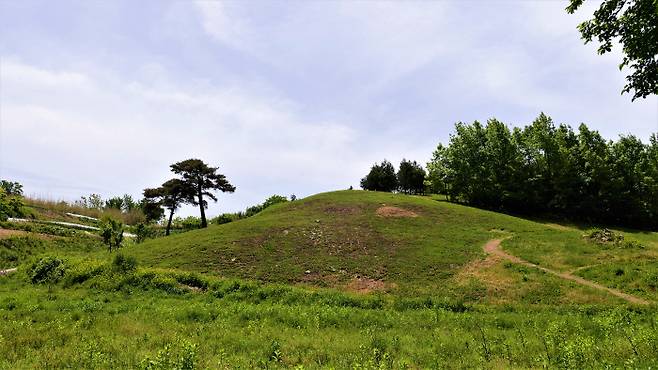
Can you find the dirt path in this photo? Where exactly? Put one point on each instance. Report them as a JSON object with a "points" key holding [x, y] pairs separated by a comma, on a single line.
{"points": [[493, 248]]}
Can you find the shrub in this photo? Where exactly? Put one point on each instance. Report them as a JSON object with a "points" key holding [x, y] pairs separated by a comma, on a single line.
{"points": [[83, 271], [10, 205], [182, 357], [48, 270], [123, 264]]}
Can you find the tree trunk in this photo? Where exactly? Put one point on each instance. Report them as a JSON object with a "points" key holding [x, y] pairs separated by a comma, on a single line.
{"points": [[171, 216], [204, 223]]}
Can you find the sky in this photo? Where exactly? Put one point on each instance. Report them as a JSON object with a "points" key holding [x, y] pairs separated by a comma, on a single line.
{"points": [[285, 97]]}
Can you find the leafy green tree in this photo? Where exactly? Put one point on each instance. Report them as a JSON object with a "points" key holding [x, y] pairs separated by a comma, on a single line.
{"points": [[381, 177], [203, 179], [10, 206], [411, 177], [93, 201], [12, 188], [111, 230], [274, 199], [171, 195], [544, 169], [128, 203], [635, 24], [114, 203], [152, 209], [437, 171]]}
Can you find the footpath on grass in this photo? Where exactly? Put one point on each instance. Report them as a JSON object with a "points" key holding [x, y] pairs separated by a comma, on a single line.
{"points": [[493, 248]]}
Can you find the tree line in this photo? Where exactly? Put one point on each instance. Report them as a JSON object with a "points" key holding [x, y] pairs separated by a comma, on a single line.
{"points": [[547, 169], [409, 179]]}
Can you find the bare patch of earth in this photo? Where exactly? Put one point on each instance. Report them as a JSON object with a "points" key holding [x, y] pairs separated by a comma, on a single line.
{"points": [[389, 211]]}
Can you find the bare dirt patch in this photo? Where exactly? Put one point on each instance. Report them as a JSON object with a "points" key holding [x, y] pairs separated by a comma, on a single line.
{"points": [[389, 211], [5, 233], [8, 233], [343, 210], [488, 272], [366, 285]]}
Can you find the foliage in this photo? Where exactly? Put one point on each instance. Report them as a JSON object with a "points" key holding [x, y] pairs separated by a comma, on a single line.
{"points": [[546, 169], [411, 178], [123, 264], [381, 177], [188, 223], [171, 195], [272, 200], [11, 188], [10, 205], [93, 201], [110, 314], [152, 209], [111, 230], [47, 270], [635, 24], [203, 179], [182, 358]]}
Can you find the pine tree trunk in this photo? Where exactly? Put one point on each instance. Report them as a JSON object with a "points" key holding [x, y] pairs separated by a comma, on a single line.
{"points": [[171, 216], [204, 223]]}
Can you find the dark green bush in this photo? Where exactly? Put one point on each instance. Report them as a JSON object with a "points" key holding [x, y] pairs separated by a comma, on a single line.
{"points": [[123, 264], [47, 270]]}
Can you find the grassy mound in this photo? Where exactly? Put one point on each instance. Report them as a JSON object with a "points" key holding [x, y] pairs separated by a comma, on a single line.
{"points": [[406, 245]]}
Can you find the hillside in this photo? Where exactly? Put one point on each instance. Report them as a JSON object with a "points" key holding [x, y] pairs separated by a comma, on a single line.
{"points": [[410, 245], [347, 279]]}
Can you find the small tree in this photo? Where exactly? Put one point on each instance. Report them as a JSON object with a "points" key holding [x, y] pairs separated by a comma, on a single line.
{"points": [[12, 188], [128, 203], [48, 270], [114, 203], [380, 178], [171, 195], [203, 179], [111, 231], [411, 177], [10, 206]]}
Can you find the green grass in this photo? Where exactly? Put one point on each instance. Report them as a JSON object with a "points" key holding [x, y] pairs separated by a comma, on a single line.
{"points": [[128, 319], [279, 290], [338, 236]]}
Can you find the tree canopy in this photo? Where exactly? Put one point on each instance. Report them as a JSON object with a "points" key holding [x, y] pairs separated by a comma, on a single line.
{"points": [[204, 180], [635, 24], [171, 195], [548, 169], [411, 178], [381, 177]]}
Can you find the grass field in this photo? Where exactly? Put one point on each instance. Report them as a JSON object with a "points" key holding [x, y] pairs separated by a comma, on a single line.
{"points": [[346, 279]]}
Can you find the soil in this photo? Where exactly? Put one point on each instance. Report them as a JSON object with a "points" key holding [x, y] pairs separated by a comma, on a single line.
{"points": [[365, 285], [388, 211], [5, 233]]}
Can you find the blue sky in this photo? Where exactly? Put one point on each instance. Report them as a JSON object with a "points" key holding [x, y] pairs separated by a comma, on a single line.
{"points": [[284, 96]]}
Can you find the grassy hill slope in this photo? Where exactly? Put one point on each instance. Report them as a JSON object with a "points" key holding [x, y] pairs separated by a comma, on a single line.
{"points": [[406, 245]]}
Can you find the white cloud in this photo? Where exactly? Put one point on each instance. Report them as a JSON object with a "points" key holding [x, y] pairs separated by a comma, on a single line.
{"points": [[122, 137]]}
